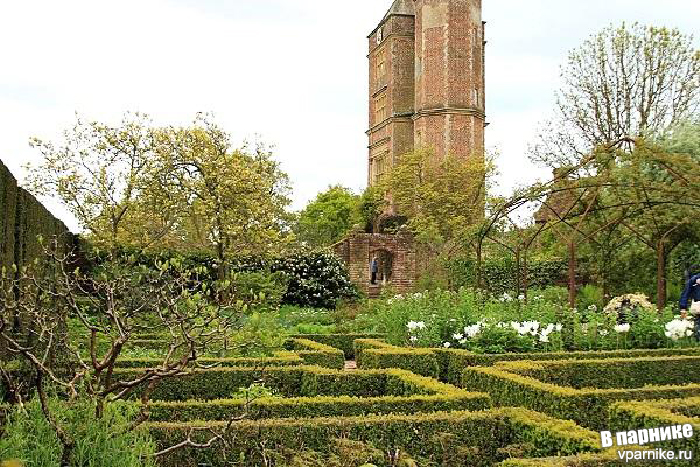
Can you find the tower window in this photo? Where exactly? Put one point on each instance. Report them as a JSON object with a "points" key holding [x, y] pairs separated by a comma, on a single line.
{"points": [[380, 108], [381, 66]]}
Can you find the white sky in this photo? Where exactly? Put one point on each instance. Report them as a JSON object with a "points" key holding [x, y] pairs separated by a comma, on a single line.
{"points": [[292, 71]]}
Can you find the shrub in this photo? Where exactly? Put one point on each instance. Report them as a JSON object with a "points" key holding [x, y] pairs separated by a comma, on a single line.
{"points": [[586, 406], [396, 391], [316, 353], [632, 415], [453, 438], [301, 381], [345, 342]]}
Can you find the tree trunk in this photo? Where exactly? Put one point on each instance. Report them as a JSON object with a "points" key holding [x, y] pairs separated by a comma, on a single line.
{"points": [[518, 272], [479, 266], [661, 275], [572, 274], [526, 281]]}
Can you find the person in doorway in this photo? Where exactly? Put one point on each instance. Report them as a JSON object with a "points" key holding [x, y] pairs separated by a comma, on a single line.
{"points": [[691, 296], [374, 269]]}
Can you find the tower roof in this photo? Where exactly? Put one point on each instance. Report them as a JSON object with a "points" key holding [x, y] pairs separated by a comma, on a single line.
{"points": [[401, 7]]}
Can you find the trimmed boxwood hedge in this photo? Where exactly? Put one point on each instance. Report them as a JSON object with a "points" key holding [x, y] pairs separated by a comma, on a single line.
{"points": [[293, 381], [360, 345], [476, 439], [344, 342], [411, 394], [451, 362], [608, 458], [611, 373], [634, 415], [316, 353], [310, 352], [279, 359], [588, 407]]}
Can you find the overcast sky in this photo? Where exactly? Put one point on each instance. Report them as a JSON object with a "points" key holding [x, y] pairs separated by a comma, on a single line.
{"points": [[292, 71]]}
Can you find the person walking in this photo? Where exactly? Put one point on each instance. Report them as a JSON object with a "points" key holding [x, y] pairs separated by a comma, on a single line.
{"points": [[691, 296], [375, 269]]}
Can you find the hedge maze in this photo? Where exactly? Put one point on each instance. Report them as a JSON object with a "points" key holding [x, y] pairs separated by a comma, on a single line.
{"points": [[505, 410]]}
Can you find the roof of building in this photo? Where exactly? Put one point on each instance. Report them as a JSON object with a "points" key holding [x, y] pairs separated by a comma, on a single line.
{"points": [[401, 7]]}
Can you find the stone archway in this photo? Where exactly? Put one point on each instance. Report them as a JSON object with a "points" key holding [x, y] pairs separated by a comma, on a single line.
{"points": [[386, 265], [397, 263]]}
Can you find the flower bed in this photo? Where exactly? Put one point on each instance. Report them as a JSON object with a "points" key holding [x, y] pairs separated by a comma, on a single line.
{"points": [[458, 438], [508, 384]]}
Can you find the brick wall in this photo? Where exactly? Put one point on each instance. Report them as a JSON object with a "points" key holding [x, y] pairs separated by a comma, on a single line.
{"points": [[358, 249]]}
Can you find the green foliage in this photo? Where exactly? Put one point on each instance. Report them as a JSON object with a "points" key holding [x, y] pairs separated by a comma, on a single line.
{"points": [[587, 406], [317, 353], [257, 336], [501, 276], [344, 342], [105, 442], [464, 438], [326, 393], [326, 219]]}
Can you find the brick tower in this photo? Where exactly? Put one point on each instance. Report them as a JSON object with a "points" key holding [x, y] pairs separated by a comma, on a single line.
{"points": [[426, 76], [426, 90]]}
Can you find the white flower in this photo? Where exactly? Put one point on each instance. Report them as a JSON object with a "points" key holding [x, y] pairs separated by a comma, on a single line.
{"points": [[593, 308], [584, 328], [558, 327], [603, 332], [414, 338], [412, 325], [417, 295], [506, 297], [622, 328], [473, 330], [679, 328], [544, 337], [521, 297], [446, 345], [458, 337]]}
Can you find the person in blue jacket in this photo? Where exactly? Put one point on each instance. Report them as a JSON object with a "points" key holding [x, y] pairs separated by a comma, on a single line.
{"points": [[691, 292]]}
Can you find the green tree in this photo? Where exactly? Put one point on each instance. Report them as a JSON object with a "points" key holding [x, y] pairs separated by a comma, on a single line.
{"points": [[181, 189], [231, 200], [442, 199], [103, 174], [623, 83], [327, 218]]}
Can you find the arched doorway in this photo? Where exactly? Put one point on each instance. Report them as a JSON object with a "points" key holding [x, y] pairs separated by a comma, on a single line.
{"points": [[385, 269]]}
